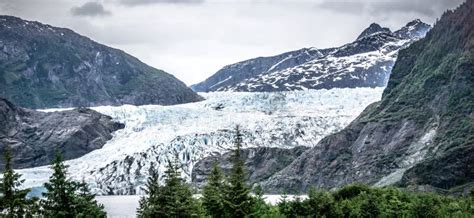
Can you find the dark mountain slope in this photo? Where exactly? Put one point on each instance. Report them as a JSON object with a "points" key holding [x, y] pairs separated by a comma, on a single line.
{"points": [[43, 66], [422, 131], [261, 163], [34, 136]]}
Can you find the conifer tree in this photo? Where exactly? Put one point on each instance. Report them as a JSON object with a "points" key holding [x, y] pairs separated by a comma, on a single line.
{"points": [[59, 196], [151, 205], [68, 198], [284, 206], [213, 198], [260, 207], [174, 199], [13, 201], [237, 201], [177, 194], [86, 203]]}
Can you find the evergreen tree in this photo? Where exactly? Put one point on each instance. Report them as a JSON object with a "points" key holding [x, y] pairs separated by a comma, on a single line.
{"points": [[213, 199], [13, 201], [174, 199], [67, 198], [177, 194], [283, 206], [86, 203], [151, 205], [321, 204], [260, 207], [237, 201], [59, 196]]}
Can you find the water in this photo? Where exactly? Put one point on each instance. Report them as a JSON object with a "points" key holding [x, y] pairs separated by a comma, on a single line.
{"points": [[120, 206]]}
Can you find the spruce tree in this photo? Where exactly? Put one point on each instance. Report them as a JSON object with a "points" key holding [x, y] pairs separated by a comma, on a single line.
{"points": [[86, 203], [59, 196], [213, 198], [260, 208], [177, 194], [151, 205], [237, 200], [13, 201], [67, 198], [174, 199]]}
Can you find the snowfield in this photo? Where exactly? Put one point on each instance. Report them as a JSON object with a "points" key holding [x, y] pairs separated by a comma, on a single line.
{"points": [[155, 134]]}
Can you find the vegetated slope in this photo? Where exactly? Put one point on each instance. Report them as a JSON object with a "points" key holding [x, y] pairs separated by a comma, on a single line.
{"points": [[34, 137], [43, 67], [422, 131], [366, 62], [154, 134]]}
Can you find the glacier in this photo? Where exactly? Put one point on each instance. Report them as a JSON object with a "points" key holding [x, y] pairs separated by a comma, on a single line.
{"points": [[155, 134]]}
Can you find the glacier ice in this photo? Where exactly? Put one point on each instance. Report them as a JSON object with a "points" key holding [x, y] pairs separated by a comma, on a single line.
{"points": [[153, 134]]}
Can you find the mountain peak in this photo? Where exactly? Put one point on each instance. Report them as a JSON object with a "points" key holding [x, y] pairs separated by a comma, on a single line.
{"points": [[413, 29], [373, 28]]}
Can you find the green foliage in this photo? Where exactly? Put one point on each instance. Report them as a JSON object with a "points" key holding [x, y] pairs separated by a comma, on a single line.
{"points": [[174, 199], [259, 205], [13, 201], [150, 204], [237, 199], [68, 198], [212, 197], [321, 204], [362, 201], [350, 191]]}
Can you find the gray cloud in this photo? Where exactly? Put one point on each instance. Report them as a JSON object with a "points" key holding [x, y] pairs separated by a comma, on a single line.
{"points": [[145, 2], [90, 9], [423, 7]]}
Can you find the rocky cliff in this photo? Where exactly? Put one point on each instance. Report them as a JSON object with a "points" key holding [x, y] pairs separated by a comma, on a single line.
{"points": [[42, 66], [421, 132], [260, 163], [34, 136]]}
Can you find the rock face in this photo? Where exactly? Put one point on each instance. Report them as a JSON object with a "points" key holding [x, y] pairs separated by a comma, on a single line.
{"points": [[421, 132], [33, 136], [260, 163], [373, 29], [43, 67], [366, 62]]}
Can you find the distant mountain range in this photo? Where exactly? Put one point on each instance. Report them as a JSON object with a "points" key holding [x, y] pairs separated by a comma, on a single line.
{"points": [[42, 66], [366, 62]]}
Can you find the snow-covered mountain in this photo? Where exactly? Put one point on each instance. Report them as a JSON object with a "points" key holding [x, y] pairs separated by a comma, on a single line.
{"points": [[366, 62], [154, 134]]}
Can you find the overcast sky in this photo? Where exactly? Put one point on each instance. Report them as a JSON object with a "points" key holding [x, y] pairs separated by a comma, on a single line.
{"points": [[192, 39]]}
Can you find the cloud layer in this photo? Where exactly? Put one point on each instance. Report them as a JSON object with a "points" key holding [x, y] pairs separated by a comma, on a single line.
{"points": [[423, 7], [147, 2], [90, 9]]}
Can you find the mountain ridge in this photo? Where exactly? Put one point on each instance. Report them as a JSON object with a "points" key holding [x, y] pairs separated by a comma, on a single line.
{"points": [[43, 66], [347, 66]]}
